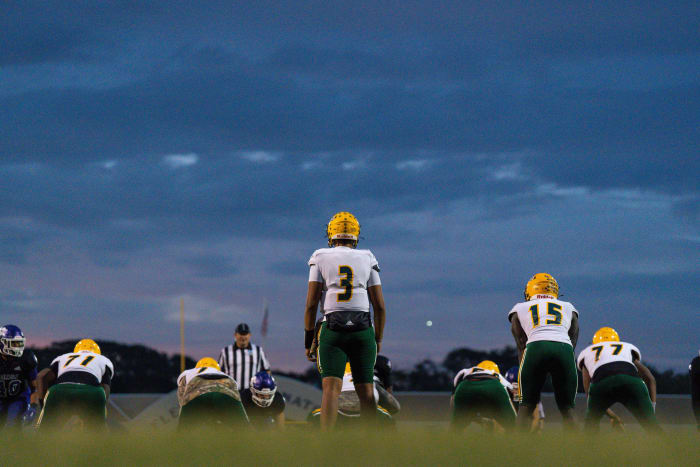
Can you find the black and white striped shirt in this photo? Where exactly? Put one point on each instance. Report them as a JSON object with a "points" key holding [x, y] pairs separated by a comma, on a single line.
{"points": [[242, 364]]}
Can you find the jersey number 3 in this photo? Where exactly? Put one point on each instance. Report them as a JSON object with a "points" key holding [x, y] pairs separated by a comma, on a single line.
{"points": [[553, 310], [345, 282]]}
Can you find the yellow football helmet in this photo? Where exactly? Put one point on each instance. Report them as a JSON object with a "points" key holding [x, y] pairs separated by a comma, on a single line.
{"points": [[87, 345], [208, 362], [489, 365], [541, 283], [606, 335], [343, 226]]}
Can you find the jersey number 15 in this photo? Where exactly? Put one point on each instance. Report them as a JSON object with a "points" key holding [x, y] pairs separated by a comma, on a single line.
{"points": [[553, 310]]}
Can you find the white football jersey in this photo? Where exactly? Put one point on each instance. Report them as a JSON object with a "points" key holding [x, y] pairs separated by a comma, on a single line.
{"points": [[596, 355], [475, 371], [346, 273], [89, 362], [544, 318], [188, 375]]}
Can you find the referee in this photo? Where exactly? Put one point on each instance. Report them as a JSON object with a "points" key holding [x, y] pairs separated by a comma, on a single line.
{"points": [[242, 360]]}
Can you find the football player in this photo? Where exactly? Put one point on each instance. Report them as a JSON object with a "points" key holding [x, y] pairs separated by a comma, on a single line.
{"points": [[209, 396], [348, 279], [349, 404], [694, 369], [17, 377], [263, 404], [384, 385], [482, 395], [613, 372], [545, 330], [78, 384]]}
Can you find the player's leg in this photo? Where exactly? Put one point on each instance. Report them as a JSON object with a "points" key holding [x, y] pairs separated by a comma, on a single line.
{"points": [[564, 380], [362, 355], [57, 407], [15, 408], [500, 404], [463, 406], [93, 405], [331, 363], [638, 402], [601, 395], [531, 378]]}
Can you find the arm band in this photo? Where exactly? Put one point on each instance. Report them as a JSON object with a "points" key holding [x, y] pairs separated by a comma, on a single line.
{"points": [[308, 338]]}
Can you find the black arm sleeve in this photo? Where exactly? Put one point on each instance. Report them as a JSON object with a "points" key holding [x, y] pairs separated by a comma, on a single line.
{"points": [[382, 370], [695, 387]]}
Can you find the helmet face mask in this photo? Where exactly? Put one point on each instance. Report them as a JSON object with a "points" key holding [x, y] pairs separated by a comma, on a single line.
{"points": [[343, 226], [541, 283], [262, 389], [11, 341]]}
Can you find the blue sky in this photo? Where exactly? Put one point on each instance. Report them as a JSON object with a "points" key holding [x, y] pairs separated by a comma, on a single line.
{"points": [[155, 152]]}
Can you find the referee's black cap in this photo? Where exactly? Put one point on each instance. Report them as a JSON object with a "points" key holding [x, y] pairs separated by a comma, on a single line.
{"points": [[243, 328]]}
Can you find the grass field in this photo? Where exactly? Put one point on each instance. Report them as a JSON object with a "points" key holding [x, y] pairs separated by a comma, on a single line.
{"points": [[407, 446]]}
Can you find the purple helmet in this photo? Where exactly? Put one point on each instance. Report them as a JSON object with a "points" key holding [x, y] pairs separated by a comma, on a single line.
{"points": [[11, 340], [263, 388]]}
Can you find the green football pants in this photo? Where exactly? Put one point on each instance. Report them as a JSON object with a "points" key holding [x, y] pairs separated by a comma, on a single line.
{"points": [[628, 390], [542, 358]]}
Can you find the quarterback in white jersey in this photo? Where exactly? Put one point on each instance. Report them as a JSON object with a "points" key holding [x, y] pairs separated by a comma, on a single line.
{"points": [[346, 274], [207, 395], [545, 330], [81, 384], [348, 280], [613, 372]]}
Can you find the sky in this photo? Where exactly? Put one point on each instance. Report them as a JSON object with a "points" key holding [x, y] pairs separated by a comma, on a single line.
{"points": [[158, 151]]}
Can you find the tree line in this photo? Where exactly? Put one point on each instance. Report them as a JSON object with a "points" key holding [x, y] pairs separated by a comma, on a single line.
{"points": [[142, 369]]}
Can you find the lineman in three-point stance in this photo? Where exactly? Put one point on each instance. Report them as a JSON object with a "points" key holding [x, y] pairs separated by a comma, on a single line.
{"points": [[481, 394], [209, 397], [82, 383], [348, 279], [613, 372]]}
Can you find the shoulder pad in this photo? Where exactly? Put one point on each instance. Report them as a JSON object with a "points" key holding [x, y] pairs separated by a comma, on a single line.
{"points": [[313, 260], [29, 360]]}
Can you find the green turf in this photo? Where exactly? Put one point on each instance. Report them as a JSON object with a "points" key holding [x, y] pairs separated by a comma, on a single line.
{"points": [[407, 446]]}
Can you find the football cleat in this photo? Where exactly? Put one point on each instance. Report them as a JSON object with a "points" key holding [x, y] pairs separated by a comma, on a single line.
{"points": [[343, 226], [489, 365], [11, 340], [262, 389], [208, 362], [87, 345], [605, 335], [541, 283]]}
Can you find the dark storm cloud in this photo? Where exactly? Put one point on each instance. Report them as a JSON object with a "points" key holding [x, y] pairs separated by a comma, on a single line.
{"points": [[168, 129]]}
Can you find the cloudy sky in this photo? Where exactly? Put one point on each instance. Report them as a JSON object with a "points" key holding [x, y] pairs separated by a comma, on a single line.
{"points": [[159, 151]]}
